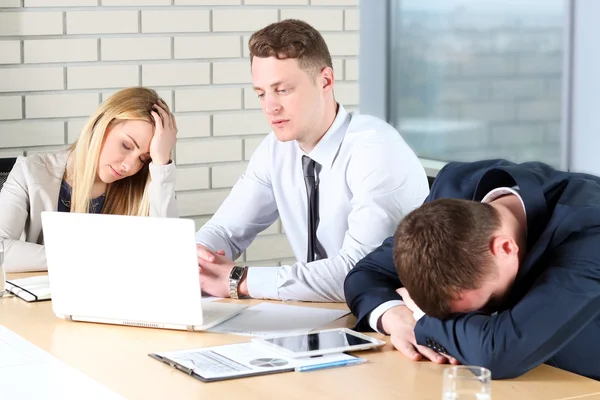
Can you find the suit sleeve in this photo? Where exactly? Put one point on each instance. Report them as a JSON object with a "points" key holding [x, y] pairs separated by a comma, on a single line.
{"points": [[19, 255], [561, 302], [161, 191], [372, 282]]}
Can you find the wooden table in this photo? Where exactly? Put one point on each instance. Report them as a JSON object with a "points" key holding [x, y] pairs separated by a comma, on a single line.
{"points": [[117, 357]]}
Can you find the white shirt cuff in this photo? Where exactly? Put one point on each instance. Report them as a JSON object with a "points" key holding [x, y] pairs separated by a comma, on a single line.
{"points": [[162, 173], [378, 312], [417, 315], [262, 282]]}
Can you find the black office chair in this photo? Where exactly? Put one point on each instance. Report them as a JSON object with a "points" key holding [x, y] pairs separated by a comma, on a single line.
{"points": [[6, 165], [430, 179]]}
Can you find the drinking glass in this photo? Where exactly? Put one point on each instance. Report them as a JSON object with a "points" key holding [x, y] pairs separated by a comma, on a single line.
{"points": [[465, 382]]}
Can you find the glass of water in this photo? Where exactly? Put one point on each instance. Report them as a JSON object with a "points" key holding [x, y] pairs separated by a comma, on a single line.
{"points": [[2, 273], [465, 382]]}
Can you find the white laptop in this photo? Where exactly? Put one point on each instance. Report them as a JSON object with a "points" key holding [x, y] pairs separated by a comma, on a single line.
{"points": [[124, 270]]}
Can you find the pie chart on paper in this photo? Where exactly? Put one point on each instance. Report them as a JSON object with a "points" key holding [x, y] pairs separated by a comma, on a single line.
{"points": [[268, 362]]}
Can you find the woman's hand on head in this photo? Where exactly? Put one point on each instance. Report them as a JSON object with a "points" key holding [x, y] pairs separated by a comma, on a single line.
{"points": [[165, 134]]}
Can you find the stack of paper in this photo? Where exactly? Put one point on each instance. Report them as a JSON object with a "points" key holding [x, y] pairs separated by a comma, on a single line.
{"points": [[268, 319]]}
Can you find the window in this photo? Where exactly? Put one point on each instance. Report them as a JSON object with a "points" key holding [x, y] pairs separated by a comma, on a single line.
{"points": [[478, 79]]}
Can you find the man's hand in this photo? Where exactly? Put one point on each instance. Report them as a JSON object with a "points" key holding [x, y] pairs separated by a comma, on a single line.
{"points": [[206, 254], [215, 269], [400, 324]]}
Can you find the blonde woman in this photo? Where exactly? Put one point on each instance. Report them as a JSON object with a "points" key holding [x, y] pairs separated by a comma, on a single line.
{"points": [[121, 164]]}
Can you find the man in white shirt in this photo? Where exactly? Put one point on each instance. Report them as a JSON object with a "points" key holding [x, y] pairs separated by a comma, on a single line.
{"points": [[339, 181]]}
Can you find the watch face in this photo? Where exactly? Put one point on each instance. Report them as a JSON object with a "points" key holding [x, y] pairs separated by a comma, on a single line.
{"points": [[236, 273]]}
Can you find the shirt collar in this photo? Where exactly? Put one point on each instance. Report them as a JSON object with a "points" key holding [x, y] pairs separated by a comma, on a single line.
{"points": [[327, 148]]}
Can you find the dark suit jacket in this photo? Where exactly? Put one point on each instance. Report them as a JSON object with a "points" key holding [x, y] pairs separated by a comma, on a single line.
{"points": [[552, 314]]}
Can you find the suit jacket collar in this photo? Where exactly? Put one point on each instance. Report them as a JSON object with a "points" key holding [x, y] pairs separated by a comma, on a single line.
{"points": [[536, 208], [530, 190]]}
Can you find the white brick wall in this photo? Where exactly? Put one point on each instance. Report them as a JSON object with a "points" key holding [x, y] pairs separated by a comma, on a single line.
{"points": [[60, 58]]}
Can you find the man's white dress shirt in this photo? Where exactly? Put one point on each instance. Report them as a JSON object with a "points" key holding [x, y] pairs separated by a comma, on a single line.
{"points": [[368, 180]]}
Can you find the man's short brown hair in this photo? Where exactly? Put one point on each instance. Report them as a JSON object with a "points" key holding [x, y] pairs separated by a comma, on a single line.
{"points": [[291, 38], [443, 248]]}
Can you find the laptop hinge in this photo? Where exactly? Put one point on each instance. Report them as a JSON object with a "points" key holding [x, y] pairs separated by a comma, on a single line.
{"points": [[189, 328]]}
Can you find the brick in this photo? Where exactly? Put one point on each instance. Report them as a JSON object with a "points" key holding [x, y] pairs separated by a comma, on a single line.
{"points": [[250, 145], [60, 105], [25, 133], [175, 21], [488, 65], [31, 79], [10, 52], [334, 2], [338, 68], [245, 49], [31, 23], [208, 150], [10, 3], [541, 110], [60, 50], [251, 100], [97, 77], [225, 176], [540, 64], [489, 111], [163, 94], [61, 3], [10, 107], [342, 44], [208, 99], [275, 3], [242, 20], [190, 126], [200, 221], [45, 149], [195, 73], [346, 93], [12, 153], [207, 47], [79, 22], [232, 72], [320, 19], [517, 88], [243, 123], [118, 3], [207, 2], [194, 178], [147, 48], [202, 203], [74, 128], [351, 69], [271, 246], [351, 20]]}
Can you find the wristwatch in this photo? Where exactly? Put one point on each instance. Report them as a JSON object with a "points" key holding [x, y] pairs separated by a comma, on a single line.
{"points": [[236, 275]]}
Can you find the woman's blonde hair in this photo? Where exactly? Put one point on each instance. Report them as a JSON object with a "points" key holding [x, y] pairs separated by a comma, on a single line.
{"points": [[127, 196]]}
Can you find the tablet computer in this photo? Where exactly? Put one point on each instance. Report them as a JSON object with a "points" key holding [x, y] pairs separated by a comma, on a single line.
{"points": [[318, 343]]}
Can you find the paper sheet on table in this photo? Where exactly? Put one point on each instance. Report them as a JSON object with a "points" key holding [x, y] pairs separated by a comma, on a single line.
{"points": [[268, 319], [238, 360], [28, 372]]}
